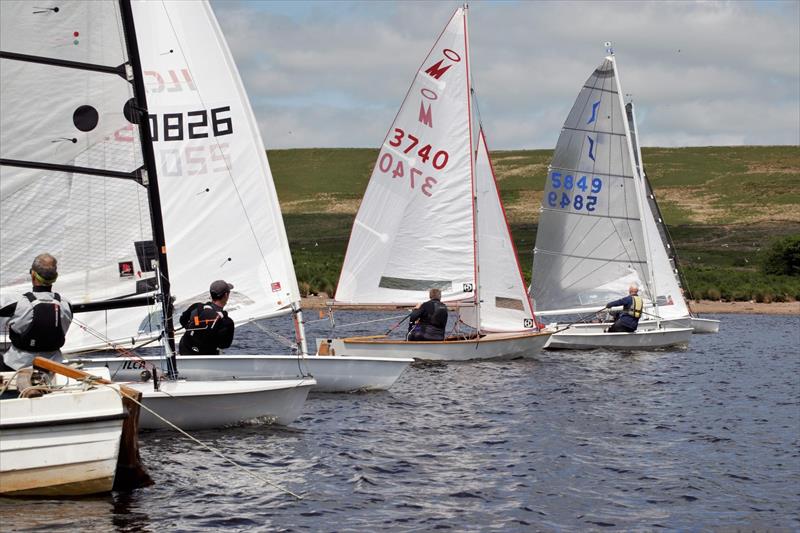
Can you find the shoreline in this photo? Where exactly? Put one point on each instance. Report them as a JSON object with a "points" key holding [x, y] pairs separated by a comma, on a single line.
{"points": [[701, 307]]}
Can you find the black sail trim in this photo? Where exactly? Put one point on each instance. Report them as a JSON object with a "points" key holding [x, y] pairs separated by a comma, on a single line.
{"points": [[119, 70], [135, 176]]}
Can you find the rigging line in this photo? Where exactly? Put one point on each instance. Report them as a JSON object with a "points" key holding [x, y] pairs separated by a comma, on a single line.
{"points": [[281, 338], [218, 144], [216, 452], [122, 350], [371, 321]]}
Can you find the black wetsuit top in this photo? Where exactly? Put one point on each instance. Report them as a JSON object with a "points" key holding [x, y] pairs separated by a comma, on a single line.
{"points": [[431, 321]]}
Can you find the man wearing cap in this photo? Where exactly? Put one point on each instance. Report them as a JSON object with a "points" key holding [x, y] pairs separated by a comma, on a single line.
{"points": [[208, 327], [40, 320]]}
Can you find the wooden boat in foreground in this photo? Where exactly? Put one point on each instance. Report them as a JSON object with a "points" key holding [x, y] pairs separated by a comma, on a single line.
{"points": [[75, 439]]}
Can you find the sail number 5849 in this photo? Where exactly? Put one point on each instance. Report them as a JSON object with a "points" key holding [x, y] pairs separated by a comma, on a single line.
{"points": [[568, 183]]}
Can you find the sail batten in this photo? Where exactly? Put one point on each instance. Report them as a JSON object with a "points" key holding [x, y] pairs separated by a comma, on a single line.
{"points": [[55, 62]]}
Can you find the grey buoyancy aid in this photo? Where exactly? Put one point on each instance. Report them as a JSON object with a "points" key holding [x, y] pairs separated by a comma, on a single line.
{"points": [[45, 332], [635, 310]]}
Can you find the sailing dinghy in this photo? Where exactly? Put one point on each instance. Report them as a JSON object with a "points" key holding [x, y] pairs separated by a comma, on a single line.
{"points": [[597, 234], [221, 215], [79, 178], [431, 217]]}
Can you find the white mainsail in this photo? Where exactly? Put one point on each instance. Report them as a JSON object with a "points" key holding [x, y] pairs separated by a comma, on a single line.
{"points": [[414, 232], [415, 227], [222, 219], [591, 242], [68, 112]]}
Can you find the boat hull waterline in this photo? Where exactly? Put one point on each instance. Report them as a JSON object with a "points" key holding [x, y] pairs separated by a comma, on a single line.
{"points": [[331, 373], [586, 339], [61, 444], [214, 404], [490, 346]]}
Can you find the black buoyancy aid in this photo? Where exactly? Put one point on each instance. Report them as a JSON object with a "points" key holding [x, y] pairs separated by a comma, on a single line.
{"points": [[635, 310], [199, 335], [45, 333]]}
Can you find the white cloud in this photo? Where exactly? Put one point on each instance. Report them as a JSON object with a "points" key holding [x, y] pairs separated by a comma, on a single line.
{"points": [[334, 73]]}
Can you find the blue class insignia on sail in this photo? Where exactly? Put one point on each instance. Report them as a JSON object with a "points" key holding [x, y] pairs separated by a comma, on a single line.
{"points": [[591, 148], [594, 112]]}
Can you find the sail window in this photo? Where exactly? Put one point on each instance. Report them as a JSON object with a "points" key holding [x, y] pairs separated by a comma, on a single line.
{"points": [[404, 284], [502, 302]]}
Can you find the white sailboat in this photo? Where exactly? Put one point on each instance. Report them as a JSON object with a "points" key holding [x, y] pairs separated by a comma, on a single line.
{"points": [[597, 235], [79, 178], [222, 218], [431, 217]]}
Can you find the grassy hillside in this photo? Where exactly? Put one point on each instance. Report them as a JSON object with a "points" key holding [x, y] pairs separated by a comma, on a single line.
{"points": [[723, 205]]}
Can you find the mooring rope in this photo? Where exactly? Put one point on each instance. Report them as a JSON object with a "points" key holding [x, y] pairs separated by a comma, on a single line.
{"points": [[209, 448]]}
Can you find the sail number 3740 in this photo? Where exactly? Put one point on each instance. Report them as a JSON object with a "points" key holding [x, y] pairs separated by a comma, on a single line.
{"points": [[388, 165], [575, 187]]}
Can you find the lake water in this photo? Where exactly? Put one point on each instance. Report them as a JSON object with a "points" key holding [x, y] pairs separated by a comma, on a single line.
{"points": [[698, 439]]}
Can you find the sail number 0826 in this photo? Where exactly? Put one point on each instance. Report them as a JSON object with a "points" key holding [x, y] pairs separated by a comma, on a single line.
{"points": [[569, 183]]}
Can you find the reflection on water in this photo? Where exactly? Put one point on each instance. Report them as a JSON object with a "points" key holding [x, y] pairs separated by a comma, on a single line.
{"points": [[702, 438]]}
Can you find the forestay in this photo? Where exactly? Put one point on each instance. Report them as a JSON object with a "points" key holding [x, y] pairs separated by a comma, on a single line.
{"points": [[222, 219], [504, 302], [590, 244], [63, 107], [415, 227]]}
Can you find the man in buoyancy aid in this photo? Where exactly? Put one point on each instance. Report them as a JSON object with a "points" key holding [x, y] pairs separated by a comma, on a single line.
{"points": [[632, 306], [39, 324], [208, 326], [428, 320]]}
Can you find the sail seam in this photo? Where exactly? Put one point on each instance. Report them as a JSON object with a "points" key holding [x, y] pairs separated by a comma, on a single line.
{"points": [[577, 171]]}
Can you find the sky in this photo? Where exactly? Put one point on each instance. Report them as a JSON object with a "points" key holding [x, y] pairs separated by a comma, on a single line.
{"points": [[334, 73]]}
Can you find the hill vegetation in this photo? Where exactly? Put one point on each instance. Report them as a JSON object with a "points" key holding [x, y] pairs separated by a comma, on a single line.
{"points": [[733, 212]]}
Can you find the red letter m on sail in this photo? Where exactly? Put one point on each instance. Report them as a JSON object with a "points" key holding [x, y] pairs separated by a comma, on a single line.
{"points": [[436, 70], [425, 115]]}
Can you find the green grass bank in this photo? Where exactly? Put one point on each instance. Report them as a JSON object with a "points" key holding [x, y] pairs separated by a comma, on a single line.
{"points": [[724, 207]]}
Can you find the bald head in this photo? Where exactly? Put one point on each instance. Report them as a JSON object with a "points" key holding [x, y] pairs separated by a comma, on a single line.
{"points": [[44, 270]]}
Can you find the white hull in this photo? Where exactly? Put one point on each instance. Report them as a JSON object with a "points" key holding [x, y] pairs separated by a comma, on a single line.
{"points": [[332, 373], [215, 404], [61, 444], [491, 346], [705, 325], [588, 338], [699, 325]]}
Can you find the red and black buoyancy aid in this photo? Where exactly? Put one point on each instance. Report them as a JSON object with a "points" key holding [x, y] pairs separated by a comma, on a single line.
{"points": [[45, 333]]}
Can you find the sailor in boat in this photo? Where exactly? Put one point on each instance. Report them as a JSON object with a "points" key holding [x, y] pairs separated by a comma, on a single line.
{"points": [[208, 326], [429, 320], [40, 320], [632, 306]]}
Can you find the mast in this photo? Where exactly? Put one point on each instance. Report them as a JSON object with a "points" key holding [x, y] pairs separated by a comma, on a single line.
{"points": [[639, 187], [473, 148], [150, 179]]}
